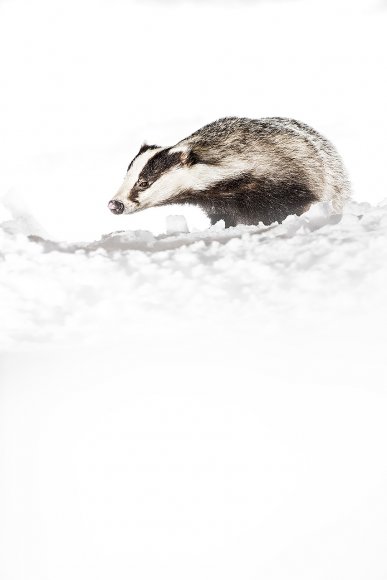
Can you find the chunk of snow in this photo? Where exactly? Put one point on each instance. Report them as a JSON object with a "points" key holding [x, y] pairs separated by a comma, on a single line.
{"points": [[318, 215], [218, 226], [176, 224]]}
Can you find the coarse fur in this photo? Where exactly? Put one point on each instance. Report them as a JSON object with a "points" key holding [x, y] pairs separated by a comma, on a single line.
{"points": [[239, 170]]}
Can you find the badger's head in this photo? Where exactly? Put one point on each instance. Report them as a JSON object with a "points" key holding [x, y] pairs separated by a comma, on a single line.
{"points": [[156, 176]]}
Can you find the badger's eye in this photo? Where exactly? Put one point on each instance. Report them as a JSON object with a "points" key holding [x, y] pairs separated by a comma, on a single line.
{"points": [[142, 183]]}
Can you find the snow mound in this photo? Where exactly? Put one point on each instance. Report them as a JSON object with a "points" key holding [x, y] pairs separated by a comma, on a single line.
{"points": [[15, 218], [129, 281]]}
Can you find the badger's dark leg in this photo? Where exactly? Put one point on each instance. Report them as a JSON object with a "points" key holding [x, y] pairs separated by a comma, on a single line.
{"points": [[276, 210], [229, 220], [264, 201], [250, 200]]}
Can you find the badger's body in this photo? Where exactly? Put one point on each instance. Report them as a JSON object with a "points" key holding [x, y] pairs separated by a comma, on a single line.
{"points": [[239, 170]]}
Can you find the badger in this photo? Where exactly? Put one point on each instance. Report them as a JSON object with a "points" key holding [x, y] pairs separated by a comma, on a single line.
{"points": [[242, 171]]}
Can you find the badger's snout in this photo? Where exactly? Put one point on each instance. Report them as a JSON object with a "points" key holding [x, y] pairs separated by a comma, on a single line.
{"points": [[116, 207]]}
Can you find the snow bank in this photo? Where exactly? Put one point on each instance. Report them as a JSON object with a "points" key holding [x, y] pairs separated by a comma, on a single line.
{"points": [[55, 292], [216, 409], [191, 402]]}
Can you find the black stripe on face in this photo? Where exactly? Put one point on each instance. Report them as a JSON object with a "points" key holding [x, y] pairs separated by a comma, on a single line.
{"points": [[157, 166], [160, 164], [143, 148]]}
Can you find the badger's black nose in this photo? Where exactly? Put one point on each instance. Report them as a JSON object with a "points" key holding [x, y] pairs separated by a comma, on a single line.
{"points": [[116, 206]]}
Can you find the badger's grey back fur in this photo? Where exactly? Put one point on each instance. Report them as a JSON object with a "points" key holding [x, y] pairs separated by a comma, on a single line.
{"points": [[244, 171]]}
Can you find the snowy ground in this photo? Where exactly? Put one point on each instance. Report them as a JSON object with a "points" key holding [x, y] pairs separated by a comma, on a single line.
{"points": [[209, 404], [258, 277], [201, 404]]}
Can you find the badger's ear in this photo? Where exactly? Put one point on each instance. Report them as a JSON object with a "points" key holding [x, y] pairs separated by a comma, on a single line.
{"points": [[144, 147], [188, 157]]}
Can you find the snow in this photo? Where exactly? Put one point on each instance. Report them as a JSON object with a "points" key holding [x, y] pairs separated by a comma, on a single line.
{"points": [[180, 400], [176, 224], [60, 292], [201, 404]]}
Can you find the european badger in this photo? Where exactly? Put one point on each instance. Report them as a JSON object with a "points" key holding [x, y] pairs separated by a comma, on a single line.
{"points": [[239, 170]]}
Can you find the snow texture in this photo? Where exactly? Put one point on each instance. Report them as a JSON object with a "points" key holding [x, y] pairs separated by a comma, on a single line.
{"points": [[214, 397], [60, 292]]}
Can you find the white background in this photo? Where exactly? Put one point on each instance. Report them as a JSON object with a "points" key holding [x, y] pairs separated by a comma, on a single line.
{"points": [[204, 405]]}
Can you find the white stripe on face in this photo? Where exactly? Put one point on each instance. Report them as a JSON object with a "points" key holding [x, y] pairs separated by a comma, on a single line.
{"points": [[133, 174], [198, 177]]}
